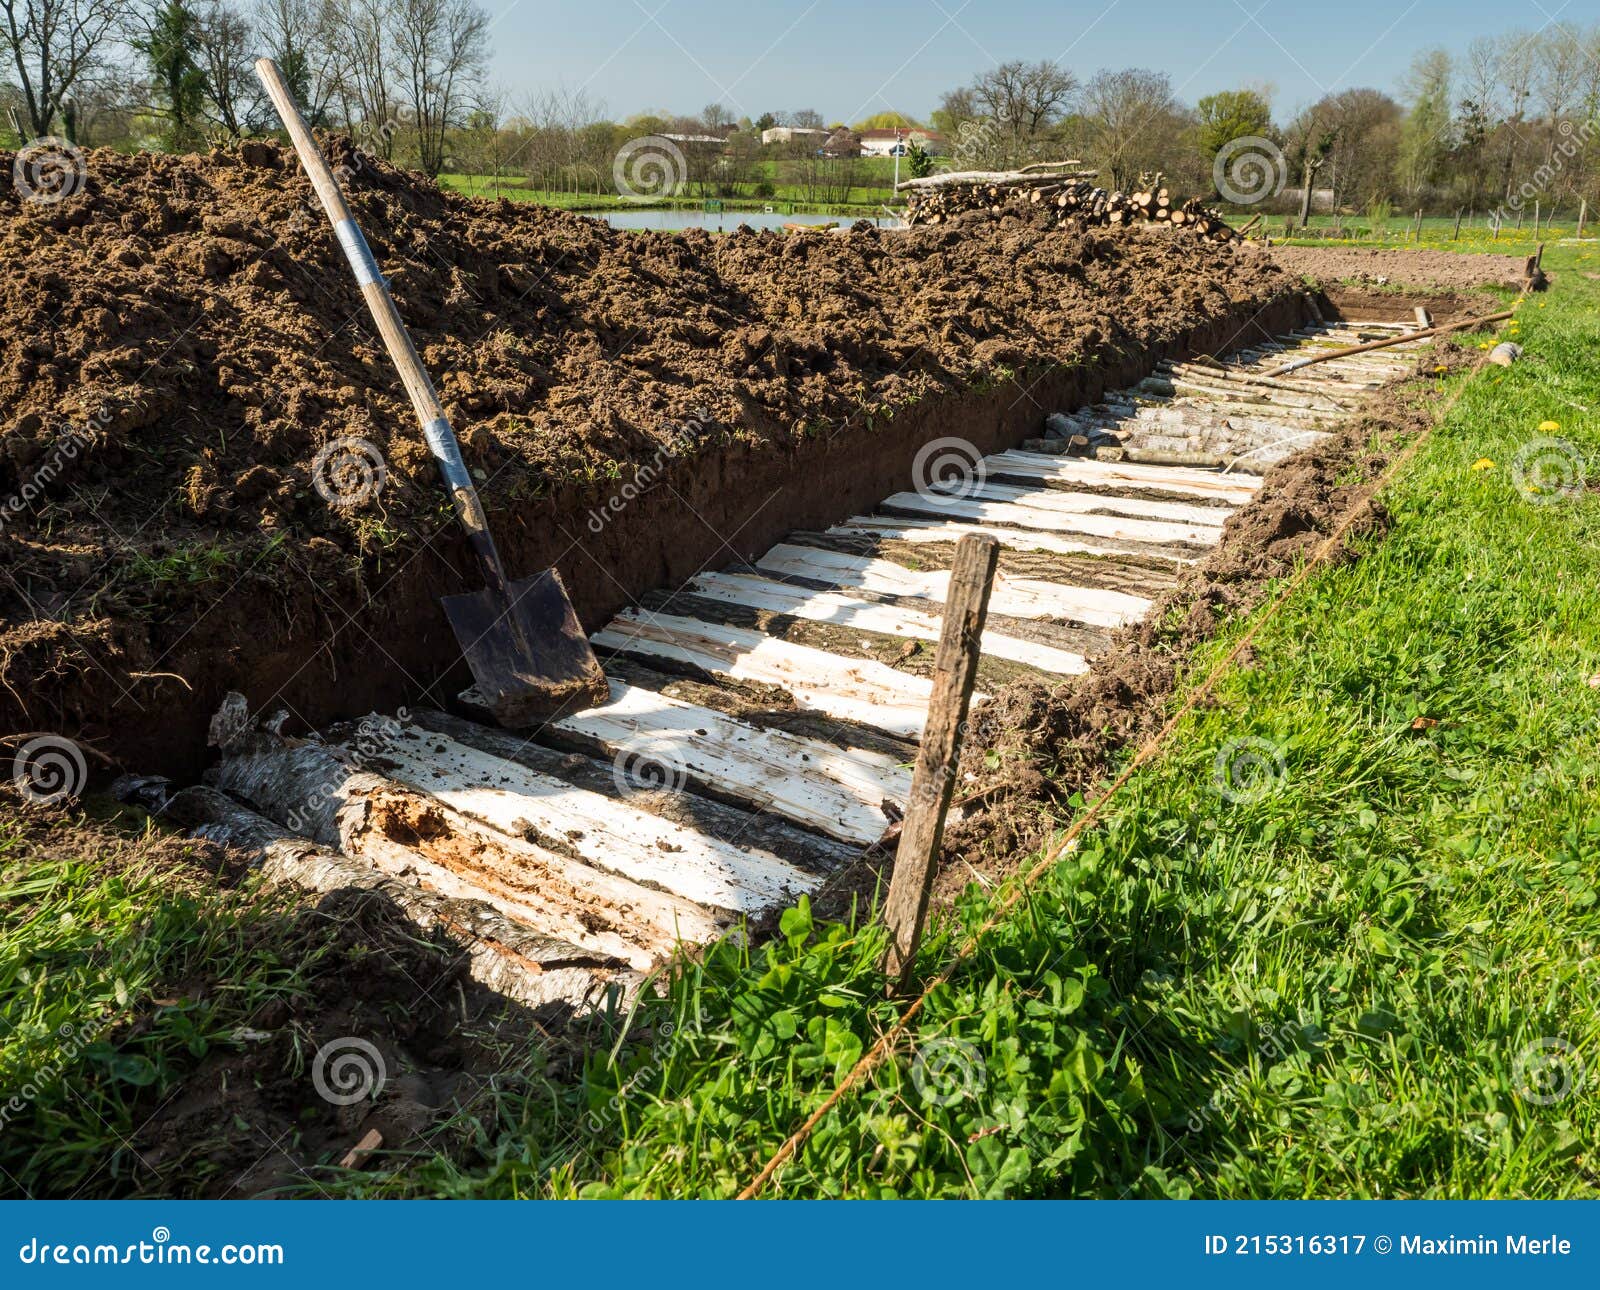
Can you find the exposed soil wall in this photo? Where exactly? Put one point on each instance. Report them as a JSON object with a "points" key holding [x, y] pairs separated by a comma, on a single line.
{"points": [[760, 383]]}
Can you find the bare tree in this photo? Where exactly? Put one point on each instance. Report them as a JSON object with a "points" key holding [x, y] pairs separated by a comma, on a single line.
{"points": [[300, 36], [367, 45], [440, 46], [1559, 59], [226, 43], [1006, 115], [1516, 66], [715, 118], [1029, 95], [1134, 116], [53, 45]]}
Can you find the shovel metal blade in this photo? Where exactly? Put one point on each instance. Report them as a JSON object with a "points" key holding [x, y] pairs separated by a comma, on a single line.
{"points": [[530, 658]]}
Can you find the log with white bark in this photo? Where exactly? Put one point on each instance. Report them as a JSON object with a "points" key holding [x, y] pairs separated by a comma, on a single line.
{"points": [[505, 956]]}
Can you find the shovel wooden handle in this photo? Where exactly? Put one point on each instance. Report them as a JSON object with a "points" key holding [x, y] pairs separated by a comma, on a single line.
{"points": [[396, 339]]}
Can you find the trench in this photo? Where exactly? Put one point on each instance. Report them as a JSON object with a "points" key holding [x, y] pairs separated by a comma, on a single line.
{"points": [[323, 658], [765, 708]]}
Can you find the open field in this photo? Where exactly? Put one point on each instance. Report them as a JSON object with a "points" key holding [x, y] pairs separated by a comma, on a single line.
{"points": [[873, 189]]}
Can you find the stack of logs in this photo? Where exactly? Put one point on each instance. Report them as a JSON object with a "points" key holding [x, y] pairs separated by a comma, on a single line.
{"points": [[1069, 195]]}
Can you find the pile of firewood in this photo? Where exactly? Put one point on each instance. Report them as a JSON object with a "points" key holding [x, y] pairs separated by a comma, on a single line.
{"points": [[1069, 195]]}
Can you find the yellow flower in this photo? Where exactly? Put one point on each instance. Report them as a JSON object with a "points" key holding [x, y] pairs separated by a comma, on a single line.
{"points": [[1483, 463], [1483, 344], [1549, 425]]}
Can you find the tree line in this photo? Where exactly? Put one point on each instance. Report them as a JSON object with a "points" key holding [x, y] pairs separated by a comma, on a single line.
{"points": [[1516, 115], [1514, 119]]}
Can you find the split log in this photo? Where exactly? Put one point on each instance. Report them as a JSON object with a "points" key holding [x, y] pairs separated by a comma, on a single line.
{"points": [[504, 956]]}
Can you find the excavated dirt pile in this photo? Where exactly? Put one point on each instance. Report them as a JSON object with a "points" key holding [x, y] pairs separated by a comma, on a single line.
{"points": [[181, 339]]}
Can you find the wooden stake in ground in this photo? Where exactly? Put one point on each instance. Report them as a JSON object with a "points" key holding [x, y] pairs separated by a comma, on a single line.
{"points": [[933, 781]]}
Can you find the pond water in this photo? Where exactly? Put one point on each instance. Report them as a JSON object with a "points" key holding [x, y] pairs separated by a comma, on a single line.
{"points": [[723, 221]]}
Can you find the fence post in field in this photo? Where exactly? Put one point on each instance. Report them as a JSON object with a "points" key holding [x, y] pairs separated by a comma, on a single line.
{"points": [[955, 671], [1455, 233], [1583, 212]]}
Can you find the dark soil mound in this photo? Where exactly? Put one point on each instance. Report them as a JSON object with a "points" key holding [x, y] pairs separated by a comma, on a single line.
{"points": [[180, 340]]}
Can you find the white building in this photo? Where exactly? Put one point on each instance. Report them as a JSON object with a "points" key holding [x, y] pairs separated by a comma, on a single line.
{"points": [[792, 134]]}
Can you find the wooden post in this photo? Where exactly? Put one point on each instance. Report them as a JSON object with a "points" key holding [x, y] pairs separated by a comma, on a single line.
{"points": [[1455, 233], [955, 671], [1583, 212], [1536, 218], [1416, 229]]}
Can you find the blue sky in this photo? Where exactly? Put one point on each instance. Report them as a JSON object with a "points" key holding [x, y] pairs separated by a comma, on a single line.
{"points": [[849, 58]]}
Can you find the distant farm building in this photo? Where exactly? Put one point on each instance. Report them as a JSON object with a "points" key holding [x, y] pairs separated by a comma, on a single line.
{"points": [[792, 134], [888, 142]]}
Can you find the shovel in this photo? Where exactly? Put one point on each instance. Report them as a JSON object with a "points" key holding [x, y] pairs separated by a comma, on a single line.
{"points": [[521, 638]]}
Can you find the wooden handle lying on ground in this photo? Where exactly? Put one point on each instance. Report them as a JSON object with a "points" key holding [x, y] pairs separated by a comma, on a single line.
{"points": [[1465, 325]]}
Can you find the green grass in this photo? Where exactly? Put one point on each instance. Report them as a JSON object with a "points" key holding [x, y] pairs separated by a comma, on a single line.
{"points": [[108, 939], [1332, 986], [1438, 232], [875, 190]]}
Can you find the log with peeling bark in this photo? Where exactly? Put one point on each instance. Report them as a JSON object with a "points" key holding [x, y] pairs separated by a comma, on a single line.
{"points": [[1040, 172], [507, 957]]}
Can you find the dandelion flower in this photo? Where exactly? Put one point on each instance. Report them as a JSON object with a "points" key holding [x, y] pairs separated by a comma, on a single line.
{"points": [[1549, 426], [1483, 463]]}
